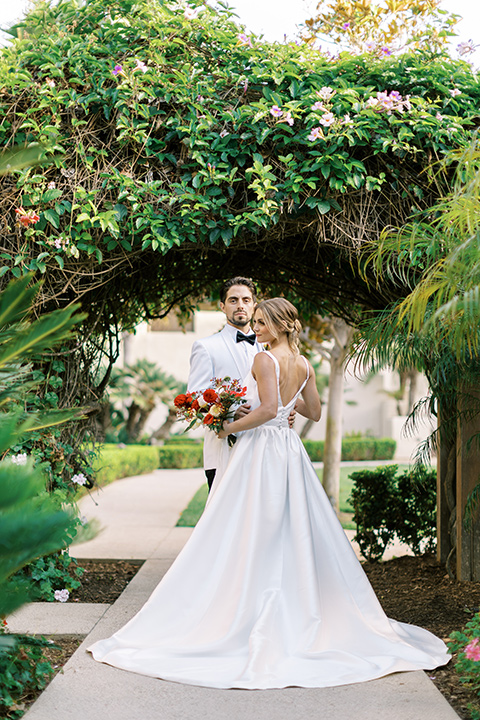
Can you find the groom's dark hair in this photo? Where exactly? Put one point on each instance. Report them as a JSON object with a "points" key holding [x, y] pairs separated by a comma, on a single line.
{"points": [[237, 281]]}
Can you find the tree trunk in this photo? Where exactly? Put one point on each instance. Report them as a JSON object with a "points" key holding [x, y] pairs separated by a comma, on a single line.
{"points": [[332, 453], [164, 430], [306, 427], [468, 473]]}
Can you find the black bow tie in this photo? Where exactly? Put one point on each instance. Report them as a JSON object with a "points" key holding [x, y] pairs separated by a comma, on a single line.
{"points": [[248, 338]]}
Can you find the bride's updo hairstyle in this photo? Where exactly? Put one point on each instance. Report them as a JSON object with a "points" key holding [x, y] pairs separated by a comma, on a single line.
{"points": [[281, 316]]}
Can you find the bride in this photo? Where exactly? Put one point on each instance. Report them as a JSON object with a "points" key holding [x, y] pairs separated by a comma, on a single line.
{"points": [[268, 593]]}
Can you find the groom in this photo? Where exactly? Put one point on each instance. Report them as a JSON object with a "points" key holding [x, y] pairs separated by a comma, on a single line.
{"points": [[228, 353]]}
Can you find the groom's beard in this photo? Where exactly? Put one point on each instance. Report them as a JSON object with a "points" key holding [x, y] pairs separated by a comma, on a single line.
{"points": [[242, 323]]}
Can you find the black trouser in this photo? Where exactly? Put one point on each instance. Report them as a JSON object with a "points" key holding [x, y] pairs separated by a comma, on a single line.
{"points": [[210, 478]]}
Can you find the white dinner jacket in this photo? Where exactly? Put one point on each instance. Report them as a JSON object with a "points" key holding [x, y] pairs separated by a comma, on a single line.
{"points": [[220, 356]]}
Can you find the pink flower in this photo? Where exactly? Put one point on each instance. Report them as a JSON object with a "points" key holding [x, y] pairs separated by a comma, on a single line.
{"points": [[465, 48], [223, 134], [140, 66], [276, 111], [50, 82], [345, 26], [315, 134], [472, 650], [325, 93], [454, 92], [439, 116], [328, 119], [191, 13], [244, 40], [287, 117], [245, 86], [319, 106], [61, 595]]}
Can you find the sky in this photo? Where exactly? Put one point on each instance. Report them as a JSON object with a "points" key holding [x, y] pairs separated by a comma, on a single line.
{"points": [[277, 18]]}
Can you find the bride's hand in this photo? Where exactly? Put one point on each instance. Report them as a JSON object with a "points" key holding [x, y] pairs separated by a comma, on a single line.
{"points": [[224, 431]]}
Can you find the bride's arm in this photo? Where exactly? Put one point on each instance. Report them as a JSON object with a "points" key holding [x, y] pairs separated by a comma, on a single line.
{"points": [[263, 371], [309, 404]]}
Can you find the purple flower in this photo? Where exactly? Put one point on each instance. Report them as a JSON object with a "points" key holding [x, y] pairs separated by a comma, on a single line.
{"points": [[345, 26], [386, 51], [395, 95], [287, 117], [276, 111], [118, 70]]}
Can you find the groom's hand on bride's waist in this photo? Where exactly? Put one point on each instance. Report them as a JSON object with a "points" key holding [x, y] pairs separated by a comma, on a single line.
{"points": [[242, 410], [291, 418]]}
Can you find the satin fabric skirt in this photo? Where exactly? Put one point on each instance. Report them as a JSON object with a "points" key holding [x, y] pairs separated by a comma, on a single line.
{"points": [[268, 593]]}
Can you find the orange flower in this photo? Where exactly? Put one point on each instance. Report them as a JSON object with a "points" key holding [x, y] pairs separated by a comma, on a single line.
{"points": [[195, 405], [181, 401], [208, 419]]}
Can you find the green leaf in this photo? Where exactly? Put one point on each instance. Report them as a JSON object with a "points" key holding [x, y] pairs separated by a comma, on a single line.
{"points": [[52, 217]]}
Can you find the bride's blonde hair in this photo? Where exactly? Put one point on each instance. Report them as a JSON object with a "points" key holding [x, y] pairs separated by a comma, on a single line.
{"points": [[281, 316]]}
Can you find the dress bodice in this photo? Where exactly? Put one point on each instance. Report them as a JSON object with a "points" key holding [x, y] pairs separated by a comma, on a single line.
{"points": [[283, 411]]}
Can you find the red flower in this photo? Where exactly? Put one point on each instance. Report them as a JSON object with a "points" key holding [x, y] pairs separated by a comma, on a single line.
{"points": [[210, 396], [181, 401], [27, 218], [208, 419], [195, 405]]}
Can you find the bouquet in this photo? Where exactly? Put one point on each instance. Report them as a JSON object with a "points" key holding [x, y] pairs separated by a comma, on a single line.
{"points": [[211, 407]]}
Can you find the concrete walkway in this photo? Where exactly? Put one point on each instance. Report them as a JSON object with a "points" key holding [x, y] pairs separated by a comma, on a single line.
{"points": [[138, 516]]}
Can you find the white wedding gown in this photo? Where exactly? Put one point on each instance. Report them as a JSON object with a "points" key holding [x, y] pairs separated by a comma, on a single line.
{"points": [[268, 593]]}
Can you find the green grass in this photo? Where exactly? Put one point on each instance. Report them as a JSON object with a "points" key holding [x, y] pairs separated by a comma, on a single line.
{"points": [[191, 515], [194, 509]]}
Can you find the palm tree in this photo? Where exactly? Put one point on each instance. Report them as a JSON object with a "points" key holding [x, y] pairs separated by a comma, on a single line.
{"points": [[435, 328], [143, 385], [32, 521]]}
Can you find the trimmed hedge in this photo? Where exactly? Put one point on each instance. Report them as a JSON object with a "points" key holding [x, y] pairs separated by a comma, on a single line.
{"points": [[355, 449], [114, 462], [180, 456]]}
